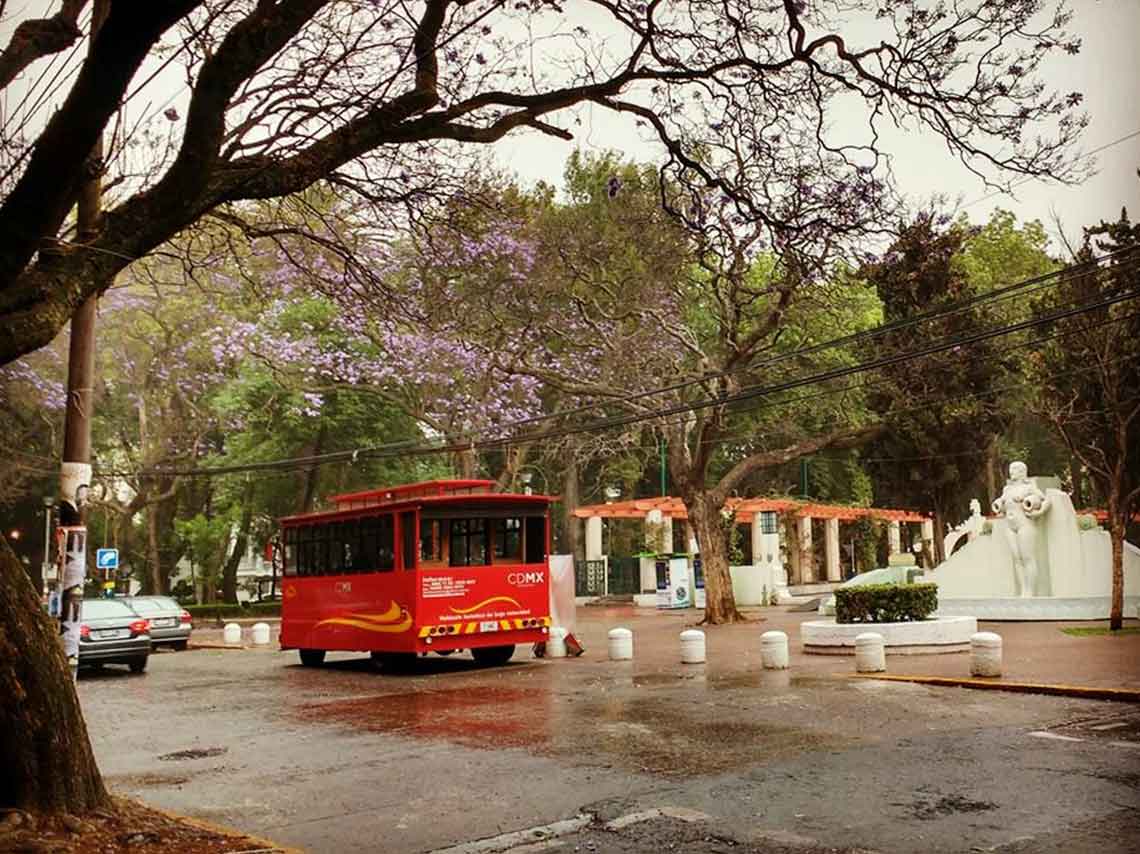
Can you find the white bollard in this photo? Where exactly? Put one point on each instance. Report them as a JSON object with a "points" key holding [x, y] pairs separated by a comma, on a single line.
{"points": [[774, 650], [692, 646], [556, 642], [232, 635], [620, 644], [869, 654], [985, 654], [260, 634]]}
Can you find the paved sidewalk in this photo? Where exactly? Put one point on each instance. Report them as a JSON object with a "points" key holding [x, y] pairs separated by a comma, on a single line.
{"points": [[1032, 652]]}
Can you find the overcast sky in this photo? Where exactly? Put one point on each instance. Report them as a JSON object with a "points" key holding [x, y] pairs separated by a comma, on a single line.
{"points": [[1107, 71]]}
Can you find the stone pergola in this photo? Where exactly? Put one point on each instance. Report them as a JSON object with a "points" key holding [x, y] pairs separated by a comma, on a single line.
{"points": [[665, 510]]}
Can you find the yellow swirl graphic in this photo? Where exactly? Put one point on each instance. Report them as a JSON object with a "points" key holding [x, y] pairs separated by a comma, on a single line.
{"points": [[367, 625], [484, 603], [389, 616], [394, 620]]}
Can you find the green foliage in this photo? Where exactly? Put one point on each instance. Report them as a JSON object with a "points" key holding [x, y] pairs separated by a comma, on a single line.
{"points": [[1099, 631], [205, 540], [224, 612], [868, 533], [999, 253], [941, 411], [885, 603]]}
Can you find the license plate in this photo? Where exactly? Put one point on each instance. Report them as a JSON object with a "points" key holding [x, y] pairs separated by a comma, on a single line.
{"points": [[164, 623], [106, 634], [489, 626]]}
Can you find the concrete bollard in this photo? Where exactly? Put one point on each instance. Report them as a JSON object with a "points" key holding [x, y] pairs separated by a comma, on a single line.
{"points": [[692, 646], [620, 644], [556, 642], [231, 636], [985, 654], [870, 656], [260, 634], [774, 650]]}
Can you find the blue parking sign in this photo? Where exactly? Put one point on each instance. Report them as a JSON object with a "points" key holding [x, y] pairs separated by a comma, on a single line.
{"points": [[107, 558]]}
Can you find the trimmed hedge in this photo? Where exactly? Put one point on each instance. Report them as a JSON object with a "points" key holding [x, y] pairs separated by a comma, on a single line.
{"points": [[885, 603], [222, 611]]}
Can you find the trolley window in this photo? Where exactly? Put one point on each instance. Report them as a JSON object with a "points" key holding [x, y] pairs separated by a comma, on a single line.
{"points": [[289, 559], [468, 542], [382, 553], [535, 539], [507, 539], [431, 541], [409, 536]]}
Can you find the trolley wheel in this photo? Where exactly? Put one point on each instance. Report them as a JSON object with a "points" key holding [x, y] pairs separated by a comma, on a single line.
{"points": [[312, 657], [493, 656]]}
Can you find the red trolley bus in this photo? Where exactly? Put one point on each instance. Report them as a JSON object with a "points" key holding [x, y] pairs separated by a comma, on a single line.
{"points": [[428, 567]]}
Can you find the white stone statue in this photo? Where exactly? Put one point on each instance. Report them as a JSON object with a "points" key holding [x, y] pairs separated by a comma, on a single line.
{"points": [[1022, 504]]}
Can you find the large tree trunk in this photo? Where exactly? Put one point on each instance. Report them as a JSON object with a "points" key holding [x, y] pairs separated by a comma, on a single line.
{"points": [[570, 497], [720, 602], [1116, 532], [46, 757], [466, 463], [991, 472], [154, 556], [939, 551], [1078, 483], [312, 474], [229, 572]]}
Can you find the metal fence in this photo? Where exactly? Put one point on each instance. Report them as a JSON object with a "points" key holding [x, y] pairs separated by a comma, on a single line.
{"points": [[619, 576]]}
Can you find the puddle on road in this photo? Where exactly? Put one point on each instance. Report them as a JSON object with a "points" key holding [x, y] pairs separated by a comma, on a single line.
{"points": [[145, 781], [193, 753], [645, 731], [928, 806], [766, 680], [479, 716]]}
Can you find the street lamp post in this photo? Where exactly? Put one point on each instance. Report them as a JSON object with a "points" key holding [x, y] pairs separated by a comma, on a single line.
{"points": [[45, 568], [612, 493]]}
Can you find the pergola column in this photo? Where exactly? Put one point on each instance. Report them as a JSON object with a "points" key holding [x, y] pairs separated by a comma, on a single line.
{"points": [[594, 538], [807, 555], [658, 532], [831, 549], [766, 551], [894, 541]]}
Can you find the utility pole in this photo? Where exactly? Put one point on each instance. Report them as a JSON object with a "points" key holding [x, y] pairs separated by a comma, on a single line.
{"points": [[75, 470]]}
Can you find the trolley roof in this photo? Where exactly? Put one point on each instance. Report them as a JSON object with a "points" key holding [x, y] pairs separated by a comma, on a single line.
{"points": [[430, 492]]}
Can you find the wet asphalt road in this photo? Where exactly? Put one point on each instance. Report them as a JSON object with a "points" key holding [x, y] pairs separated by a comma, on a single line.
{"points": [[349, 759]]}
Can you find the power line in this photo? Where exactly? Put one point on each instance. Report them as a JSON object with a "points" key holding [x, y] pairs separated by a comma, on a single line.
{"points": [[995, 295], [414, 448], [1029, 178]]}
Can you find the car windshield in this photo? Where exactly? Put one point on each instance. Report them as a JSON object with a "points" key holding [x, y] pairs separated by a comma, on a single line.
{"points": [[101, 609], [154, 606]]}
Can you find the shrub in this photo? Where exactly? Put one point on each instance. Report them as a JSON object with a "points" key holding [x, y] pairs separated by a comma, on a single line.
{"points": [[222, 611], [885, 603]]}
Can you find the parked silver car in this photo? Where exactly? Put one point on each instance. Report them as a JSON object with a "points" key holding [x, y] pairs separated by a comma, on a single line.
{"points": [[170, 623], [110, 632]]}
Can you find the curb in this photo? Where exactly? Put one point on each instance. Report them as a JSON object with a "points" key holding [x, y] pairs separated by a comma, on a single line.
{"points": [[267, 845], [1122, 695]]}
